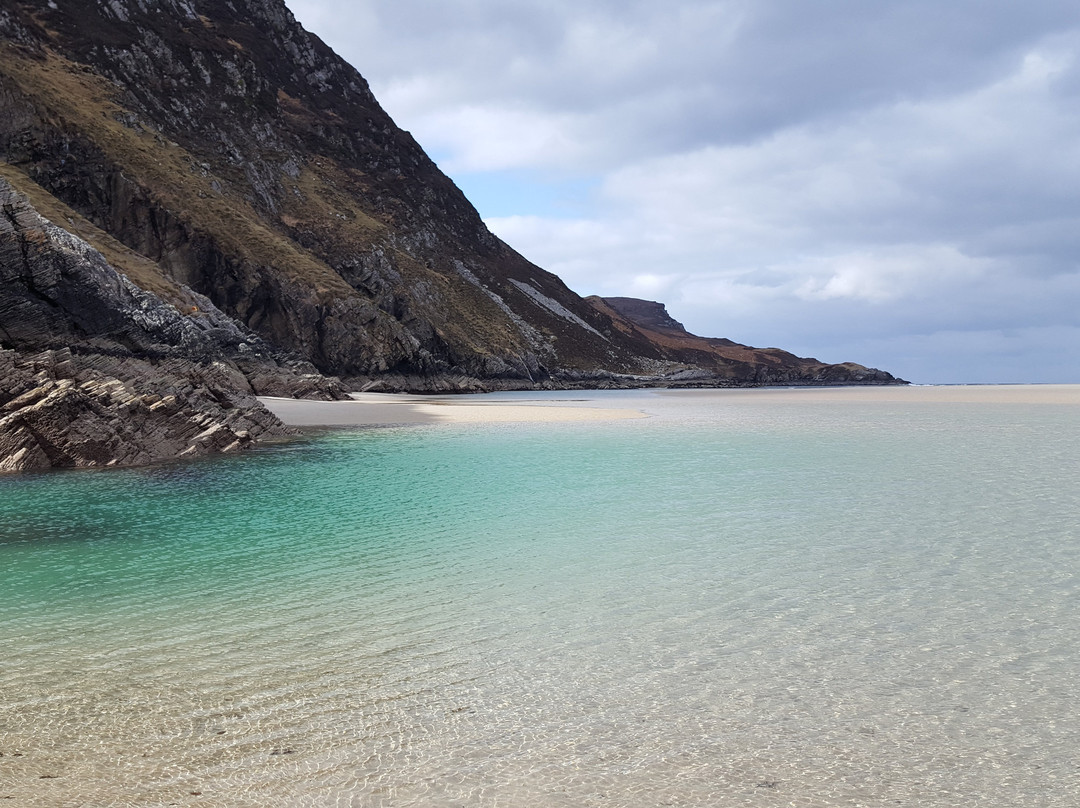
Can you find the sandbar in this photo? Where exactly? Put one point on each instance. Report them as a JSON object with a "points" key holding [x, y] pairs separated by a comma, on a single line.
{"points": [[386, 409], [930, 394]]}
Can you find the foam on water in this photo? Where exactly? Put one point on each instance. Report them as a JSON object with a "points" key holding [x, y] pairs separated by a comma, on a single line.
{"points": [[747, 599]]}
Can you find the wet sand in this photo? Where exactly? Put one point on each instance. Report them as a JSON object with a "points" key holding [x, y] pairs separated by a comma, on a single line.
{"points": [[376, 409]]}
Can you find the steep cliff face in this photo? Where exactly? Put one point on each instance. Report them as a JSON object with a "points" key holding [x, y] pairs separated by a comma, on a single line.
{"points": [[247, 161], [241, 158], [96, 371], [57, 292]]}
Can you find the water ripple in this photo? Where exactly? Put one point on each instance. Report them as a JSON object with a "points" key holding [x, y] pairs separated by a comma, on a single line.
{"points": [[727, 603]]}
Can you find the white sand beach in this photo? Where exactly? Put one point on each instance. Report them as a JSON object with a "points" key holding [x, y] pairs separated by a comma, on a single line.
{"points": [[374, 409]]}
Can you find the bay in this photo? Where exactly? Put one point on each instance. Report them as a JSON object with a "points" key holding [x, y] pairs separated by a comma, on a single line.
{"points": [[751, 597]]}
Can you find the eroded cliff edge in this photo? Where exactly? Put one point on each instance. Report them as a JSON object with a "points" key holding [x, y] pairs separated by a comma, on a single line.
{"points": [[226, 164]]}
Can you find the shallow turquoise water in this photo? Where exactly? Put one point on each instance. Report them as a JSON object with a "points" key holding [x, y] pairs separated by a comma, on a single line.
{"points": [[746, 599]]}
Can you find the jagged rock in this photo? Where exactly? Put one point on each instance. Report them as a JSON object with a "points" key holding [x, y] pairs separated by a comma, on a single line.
{"points": [[102, 422]]}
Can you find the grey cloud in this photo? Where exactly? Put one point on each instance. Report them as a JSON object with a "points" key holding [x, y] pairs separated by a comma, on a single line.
{"points": [[820, 176], [685, 73]]}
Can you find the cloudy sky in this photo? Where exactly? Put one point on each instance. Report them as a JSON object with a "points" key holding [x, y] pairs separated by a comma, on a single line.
{"points": [[895, 183]]}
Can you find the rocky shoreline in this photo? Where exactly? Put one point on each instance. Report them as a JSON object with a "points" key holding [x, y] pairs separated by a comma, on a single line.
{"points": [[57, 415], [95, 371]]}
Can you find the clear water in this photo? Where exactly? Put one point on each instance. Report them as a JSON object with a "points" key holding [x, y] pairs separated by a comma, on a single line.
{"points": [[748, 599]]}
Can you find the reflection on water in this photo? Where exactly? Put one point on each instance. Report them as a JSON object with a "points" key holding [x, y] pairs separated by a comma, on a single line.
{"points": [[742, 600]]}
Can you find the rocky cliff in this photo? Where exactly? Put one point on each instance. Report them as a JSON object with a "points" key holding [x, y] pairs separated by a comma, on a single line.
{"points": [[266, 222], [245, 160], [95, 370]]}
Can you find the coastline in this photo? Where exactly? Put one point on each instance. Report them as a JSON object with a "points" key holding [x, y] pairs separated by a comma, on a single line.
{"points": [[389, 409], [936, 393]]}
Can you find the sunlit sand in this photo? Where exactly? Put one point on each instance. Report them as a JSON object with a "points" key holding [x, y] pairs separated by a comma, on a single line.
{"points": [[373, 409]]}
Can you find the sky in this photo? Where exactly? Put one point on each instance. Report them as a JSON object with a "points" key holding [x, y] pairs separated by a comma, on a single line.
{"points": [[895, 183]]}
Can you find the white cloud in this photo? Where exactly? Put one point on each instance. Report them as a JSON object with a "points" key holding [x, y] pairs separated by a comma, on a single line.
{"points": [[816, 176], [495, 138], [881, 206], [887, 275]]}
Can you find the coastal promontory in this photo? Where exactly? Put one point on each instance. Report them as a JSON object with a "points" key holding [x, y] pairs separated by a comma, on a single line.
{"points": [[203, 203]]}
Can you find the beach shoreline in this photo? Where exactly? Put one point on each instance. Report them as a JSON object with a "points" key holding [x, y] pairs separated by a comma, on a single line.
{"points": [[391, 409]]}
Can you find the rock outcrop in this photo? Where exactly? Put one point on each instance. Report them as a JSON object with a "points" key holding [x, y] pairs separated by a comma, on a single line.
{"points": [[56, 414], [98, 371]]}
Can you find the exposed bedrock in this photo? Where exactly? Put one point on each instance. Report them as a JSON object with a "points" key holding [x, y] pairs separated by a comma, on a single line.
{"points": [[96, 371]]}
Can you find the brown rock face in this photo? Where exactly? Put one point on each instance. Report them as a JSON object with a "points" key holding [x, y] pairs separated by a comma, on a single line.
{"points": [[101, 422], [50, 419]]}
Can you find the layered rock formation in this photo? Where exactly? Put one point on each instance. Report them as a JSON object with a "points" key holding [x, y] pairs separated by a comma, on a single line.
{"points": [[56, 414], [267, 225], [98, 371]]}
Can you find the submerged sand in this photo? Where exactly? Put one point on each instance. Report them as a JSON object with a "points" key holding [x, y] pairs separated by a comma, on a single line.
{"points": [[931, 394], [375, 409]]}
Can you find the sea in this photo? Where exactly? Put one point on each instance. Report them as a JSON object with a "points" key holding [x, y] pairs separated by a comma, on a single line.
{"points": [[850, 597]]}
